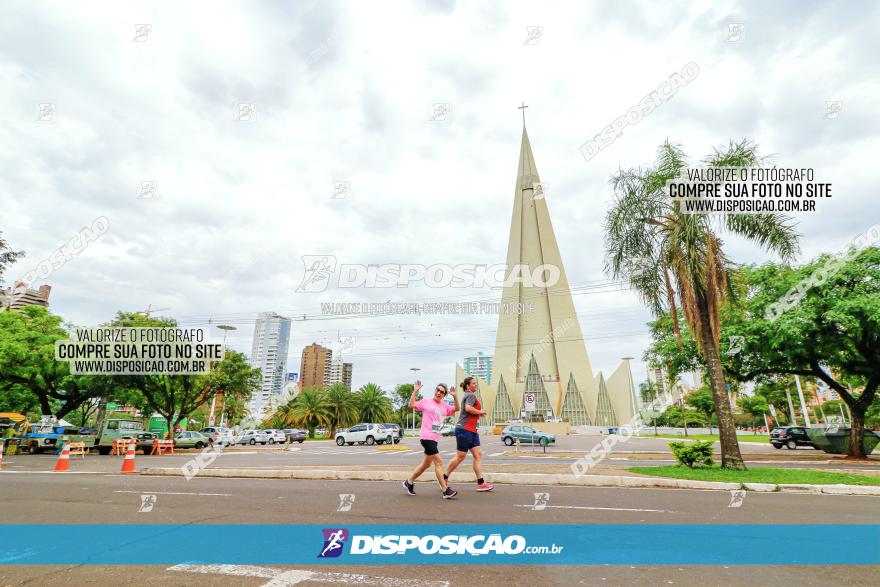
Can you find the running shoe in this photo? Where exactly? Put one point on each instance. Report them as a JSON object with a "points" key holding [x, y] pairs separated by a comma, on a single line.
{"points": [[449, 493], [410, 488], [485, 487]]}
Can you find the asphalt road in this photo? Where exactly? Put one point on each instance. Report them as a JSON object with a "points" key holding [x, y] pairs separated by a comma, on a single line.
{"points": [[635, 452], [38, 498]]}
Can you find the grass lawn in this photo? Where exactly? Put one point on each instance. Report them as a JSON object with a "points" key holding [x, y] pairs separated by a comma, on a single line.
{"points": [[713, 437], [757, 475]]}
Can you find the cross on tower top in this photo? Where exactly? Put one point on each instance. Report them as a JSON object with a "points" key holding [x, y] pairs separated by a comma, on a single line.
{"points": [[523, 108]]}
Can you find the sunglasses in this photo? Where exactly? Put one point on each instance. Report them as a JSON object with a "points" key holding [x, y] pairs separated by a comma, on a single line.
{"points": [[441, 390]]}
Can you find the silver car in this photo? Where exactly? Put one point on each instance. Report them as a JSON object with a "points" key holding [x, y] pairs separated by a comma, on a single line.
{"points": [[191, 439], [254, 437]]}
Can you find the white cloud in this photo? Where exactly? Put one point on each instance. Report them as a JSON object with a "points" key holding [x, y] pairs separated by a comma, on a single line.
{"points": [[343, 91]]}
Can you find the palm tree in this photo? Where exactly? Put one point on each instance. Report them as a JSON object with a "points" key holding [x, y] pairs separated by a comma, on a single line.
{"points": [[372, 404], [309, 409], [342, 406], [671, 258]]}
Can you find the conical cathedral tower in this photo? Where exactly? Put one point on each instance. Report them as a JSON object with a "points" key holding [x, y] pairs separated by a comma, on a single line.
{"points": [[541, 350]]}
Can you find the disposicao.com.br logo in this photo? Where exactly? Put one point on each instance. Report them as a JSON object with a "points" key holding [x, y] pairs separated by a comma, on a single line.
{"points": [[452, 544], [320, 271]]}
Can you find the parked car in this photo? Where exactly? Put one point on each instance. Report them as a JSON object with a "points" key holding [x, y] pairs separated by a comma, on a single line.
{"points": [[275, 435], [218, 434], [364, 434], [526, 435], [447, 429], [791, 437], [295, 435], [253, 437], [396, 431], [190, 439]]}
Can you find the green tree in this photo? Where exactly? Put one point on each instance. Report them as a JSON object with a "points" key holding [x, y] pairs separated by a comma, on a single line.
{"points": [[28, 365], [403, 416], [342, 405], [7, 256], [648, 391], [701, 400], [775, 391], [309, 409], [234, 408], [819, 320], [372, 404], [671, 258], [175, 397], [677, 415], [755, 406]]}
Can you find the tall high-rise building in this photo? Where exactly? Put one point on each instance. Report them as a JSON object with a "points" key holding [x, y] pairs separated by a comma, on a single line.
{"points": [[19, 296], [479, 365], [657, 376], [315, 366], [269, 354], [339, 372], [542, 352]]}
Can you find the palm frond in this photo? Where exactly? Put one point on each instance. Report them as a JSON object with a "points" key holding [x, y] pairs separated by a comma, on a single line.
{"points": [[773, 232]]}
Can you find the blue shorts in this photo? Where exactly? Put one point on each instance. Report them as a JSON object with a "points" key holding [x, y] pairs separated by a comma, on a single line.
{"points": [[466, 440]]}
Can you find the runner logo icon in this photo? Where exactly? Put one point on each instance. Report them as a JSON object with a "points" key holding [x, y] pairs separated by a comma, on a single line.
{"points": [[334, 542]]}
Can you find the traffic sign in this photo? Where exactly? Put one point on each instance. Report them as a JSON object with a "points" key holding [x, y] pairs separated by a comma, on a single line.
{"points": [[529, 400], [111, 406]]}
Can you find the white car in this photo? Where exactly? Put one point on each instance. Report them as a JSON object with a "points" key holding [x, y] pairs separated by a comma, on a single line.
{"points": [[276, 436], [218, 434], [364, 434]]}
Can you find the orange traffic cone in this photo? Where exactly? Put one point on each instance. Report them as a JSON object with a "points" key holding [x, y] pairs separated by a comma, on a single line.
{"points": [[128, 463], [63, 459]]}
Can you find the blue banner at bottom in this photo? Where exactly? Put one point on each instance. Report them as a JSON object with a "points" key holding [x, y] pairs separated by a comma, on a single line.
{"points": [[489, 544]]}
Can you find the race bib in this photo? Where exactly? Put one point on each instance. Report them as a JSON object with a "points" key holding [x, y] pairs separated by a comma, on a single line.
{"points": [[436, 426]]}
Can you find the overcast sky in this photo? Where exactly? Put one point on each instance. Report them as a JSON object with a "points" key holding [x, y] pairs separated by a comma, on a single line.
{"points": [[345, 91]]}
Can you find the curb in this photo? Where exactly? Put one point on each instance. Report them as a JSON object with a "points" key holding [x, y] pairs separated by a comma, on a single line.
{"points": [[523, 479]]}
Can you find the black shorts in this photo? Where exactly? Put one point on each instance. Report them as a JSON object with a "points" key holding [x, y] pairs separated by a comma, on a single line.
{"points": [[465, 440], [430, 447]]}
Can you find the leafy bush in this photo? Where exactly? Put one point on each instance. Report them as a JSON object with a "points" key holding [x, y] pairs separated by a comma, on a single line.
{"points": [[695, 454]]}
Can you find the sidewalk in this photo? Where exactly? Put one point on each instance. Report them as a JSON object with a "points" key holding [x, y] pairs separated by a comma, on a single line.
{"points": [[510, 475]]}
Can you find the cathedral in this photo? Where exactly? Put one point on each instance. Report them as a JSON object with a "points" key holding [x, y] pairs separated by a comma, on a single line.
{"points": [[541, 353]]}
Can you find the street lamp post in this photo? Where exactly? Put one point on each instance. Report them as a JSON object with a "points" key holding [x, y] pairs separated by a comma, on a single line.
{"points": [[415, 371], [225, 328]]}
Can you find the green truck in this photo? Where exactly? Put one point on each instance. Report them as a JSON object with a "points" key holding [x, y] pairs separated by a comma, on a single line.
{"points": [[116, 428]]}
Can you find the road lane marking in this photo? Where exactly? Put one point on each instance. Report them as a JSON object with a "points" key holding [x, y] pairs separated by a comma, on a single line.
{"points": [[52, 472], [286, 577], [496, 454], [170, 492], [583, 507]]}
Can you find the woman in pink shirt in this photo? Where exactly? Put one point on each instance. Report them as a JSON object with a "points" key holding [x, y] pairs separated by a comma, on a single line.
{"points": [[434, 411]]}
